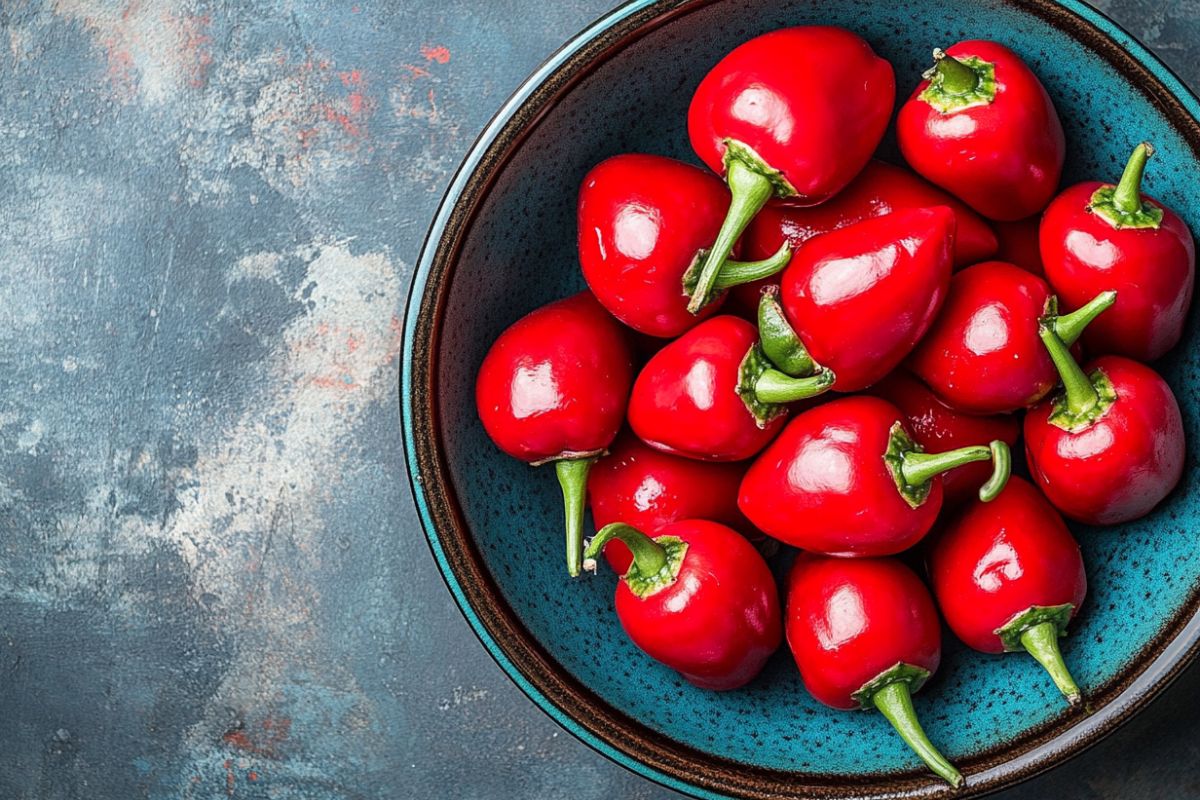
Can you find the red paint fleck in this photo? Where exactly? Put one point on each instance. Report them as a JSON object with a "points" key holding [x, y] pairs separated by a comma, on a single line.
{"points": [[230, 778], [351, 78], [252, 776], [438, 53], [263, 739], [195, 54], [415, 71]]}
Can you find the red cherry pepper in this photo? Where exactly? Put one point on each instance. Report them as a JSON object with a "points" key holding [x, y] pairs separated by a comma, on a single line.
{"points": [[984, 355], [713, 395], [982, 127], [937, 427], [1019, 244], [878, 190], [1109, 447], [760, 119], [642, 221], [554, 387], [699, 598], [1097, 236], [642, 487], [1009, 576], [865, 634], [862, 296], [847, 479]]}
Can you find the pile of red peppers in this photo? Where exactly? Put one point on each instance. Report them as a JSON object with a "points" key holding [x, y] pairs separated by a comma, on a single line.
{"points": [[809, 347]]}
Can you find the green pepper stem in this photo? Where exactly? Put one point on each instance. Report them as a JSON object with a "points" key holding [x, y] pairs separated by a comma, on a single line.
{"points": [[649, 556], [1081, 395], [779, 339], [894, 701], [1128, 195], [1041, 642], [572, 477], [919, 468], [778, 387], [750, 191], [957, 77], [735, 273], [1069, 327]]}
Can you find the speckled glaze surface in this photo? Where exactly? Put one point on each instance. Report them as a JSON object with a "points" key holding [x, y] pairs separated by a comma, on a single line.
{"points": [[504, 243]]}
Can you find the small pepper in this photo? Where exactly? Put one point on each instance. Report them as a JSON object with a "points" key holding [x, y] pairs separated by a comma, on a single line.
{"points": [[865, 634], [1110, 446], [984, 354], [937, 427], [981, 126], [862, 296], [712, 394], [761, 119], [698, 598], [643, 222], [554, 388], [1099, 237], [648, 489], [1019, 244], [1008, 576], [847, 479]]}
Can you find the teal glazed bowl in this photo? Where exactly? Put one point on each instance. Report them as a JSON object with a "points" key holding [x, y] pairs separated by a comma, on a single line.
{"points": [[503, 243]]}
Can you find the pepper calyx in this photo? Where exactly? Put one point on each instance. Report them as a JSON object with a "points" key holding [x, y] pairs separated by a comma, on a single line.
{"points": [[656, 562], [958, 82], [900, 672], [766, 391], [900, 444], [1011, 631], [745, 155], [1103, 204], [1061, 415]]}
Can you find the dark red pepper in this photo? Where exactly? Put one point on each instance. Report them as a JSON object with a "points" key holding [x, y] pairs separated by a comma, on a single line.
{"points": [[1109, 447], [1019, 244], [1008, 576], [554, 388], [879, 189], [982, 127], [847, 479], [1099, 237], [984, 355], [937, 428], [647, 489], [712, 394], [862, 296], [643, 220], [865, 634], [698, 598], [761, 119]]}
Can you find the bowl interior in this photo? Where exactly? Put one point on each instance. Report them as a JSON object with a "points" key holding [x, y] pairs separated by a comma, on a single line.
{"points": [[519, 252]]}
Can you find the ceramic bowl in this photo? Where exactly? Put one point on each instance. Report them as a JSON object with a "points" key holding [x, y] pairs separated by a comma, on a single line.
{"points": [[503, 243]]}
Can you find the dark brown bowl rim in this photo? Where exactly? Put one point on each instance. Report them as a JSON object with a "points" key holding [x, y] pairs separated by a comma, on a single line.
{"points": [[571, 704]]}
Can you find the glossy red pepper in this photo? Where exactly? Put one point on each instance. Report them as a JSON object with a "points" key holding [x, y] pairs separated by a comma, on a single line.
{"points": [[698, 598], [862, 296], [984, 355], [1019, 244], [554, 388], [1098, 237], [713, 395], [847, 479], [1008, 576], [643, 220], [647, 489], [865, 634], [761, 120], [1110, 446], [982, 127], [936, 427]]}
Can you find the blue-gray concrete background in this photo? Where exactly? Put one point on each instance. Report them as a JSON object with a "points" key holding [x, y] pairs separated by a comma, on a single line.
{"points": [[212, 581]]}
